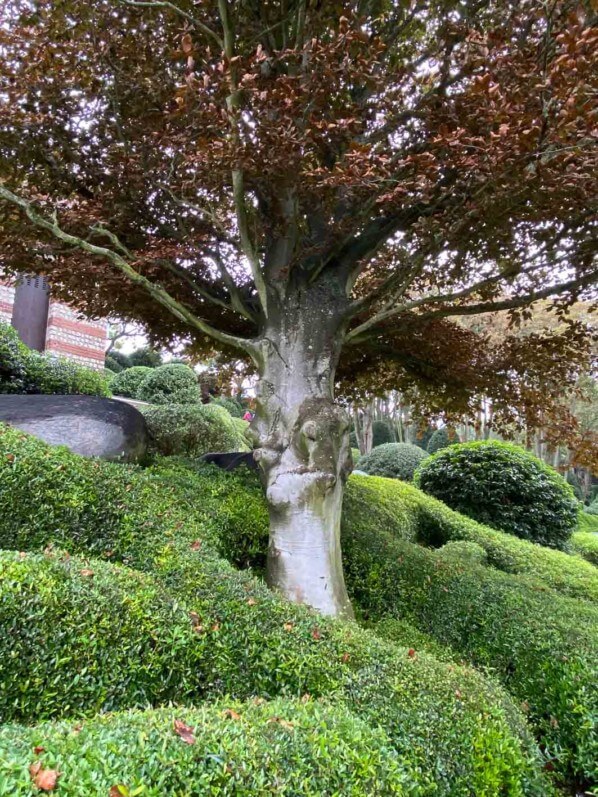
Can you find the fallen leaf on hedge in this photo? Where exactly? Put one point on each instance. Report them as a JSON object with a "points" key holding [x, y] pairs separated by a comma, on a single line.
{"points": [[43, 779], [196, 545], [251, 602], [22, 554], [288, 626], [411, 653], [306, 698], [184, 731], [119, 790], [77, 728], [457, 694], [228, 712], [10, 457], [345, 657], [216, 627], [316, 633], [38, 750], [86, 572]]}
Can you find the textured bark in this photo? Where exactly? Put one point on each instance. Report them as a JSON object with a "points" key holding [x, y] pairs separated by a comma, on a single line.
{"points": [[303, 450]]}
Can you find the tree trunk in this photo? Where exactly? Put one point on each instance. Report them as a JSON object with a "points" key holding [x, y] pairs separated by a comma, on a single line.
{"points": [[303, 452]]}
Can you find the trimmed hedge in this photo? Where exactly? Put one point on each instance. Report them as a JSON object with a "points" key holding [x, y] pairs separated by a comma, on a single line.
{"points": [[455, 731], [505, 487], [192, 429], [441, 439], [232, 406], [81, 636], [585, 543], [279, 747], [393, 460], [127, 382], [23, 370], [173, 383]]}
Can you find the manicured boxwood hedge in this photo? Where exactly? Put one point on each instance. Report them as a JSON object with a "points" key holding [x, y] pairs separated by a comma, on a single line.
{"points": [[585, 543], [255, 748], [457, 732], [80, 636], [193, 429], [393, 460]]}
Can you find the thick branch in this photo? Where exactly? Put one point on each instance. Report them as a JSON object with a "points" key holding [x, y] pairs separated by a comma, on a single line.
{"points": [[155, 291], [232, 104]]}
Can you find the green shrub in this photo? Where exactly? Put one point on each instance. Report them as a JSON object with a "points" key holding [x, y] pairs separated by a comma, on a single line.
{"points": [[112, 365], [80, 636], [541, 645], [505, 487], [455, 731], [464, 551], [13, 361], [145, 356], [356, 455], [120, 358], [585, 543], [382, 432], [280, 747], [587, 522], [441, 439], [231, 405], [242, 440], [23, 370], [127, 382], [393, 460], [592, 509], [173, 383], [192, 429]]}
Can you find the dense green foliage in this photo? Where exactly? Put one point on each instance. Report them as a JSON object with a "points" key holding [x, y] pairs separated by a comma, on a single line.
{"points": [[231, 405], [382, 432], [441, 439], [505, 487], [592, 509], [23, 370], [319, 750], [585, 543], [192, 429], [128, 381], [454, 732], [173, 383], [80, 636], [393, 460]]}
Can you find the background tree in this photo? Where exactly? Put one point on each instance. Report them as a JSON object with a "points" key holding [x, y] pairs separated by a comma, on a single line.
{"points": [[290, 181]]}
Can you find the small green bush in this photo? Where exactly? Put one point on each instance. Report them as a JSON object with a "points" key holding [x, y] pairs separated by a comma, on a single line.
{"points": [[587, 522], [592, 509], [505, 487], [441, 439], [112, 365], [382, 433], [128, 381], [279, 747], [145, 356], [464, 551], [192, 429], [173, 383], [393, 460], [585, 543], [356, 455], [13, 361], [23, 370], [231, 405]]}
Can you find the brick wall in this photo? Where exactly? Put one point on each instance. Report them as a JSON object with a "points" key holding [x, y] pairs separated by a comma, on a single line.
{"points": [[68, 334]]}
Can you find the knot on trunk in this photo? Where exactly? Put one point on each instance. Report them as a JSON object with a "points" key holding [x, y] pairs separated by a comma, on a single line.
{"points": [[319, 438]]}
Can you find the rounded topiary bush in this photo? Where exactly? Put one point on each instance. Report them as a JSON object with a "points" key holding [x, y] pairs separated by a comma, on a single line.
{"points": [[231, 405], [128, 381], [463, 551], [281, 747], [173, 383], [192, 429], [393, 460], [441, 439], [505, 487], [382, 433]]}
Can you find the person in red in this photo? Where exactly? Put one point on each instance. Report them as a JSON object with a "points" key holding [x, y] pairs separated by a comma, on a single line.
{"points": [[248, 416]]}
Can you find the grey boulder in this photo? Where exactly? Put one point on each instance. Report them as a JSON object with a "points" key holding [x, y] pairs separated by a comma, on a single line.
{"points": [[88, 425]]}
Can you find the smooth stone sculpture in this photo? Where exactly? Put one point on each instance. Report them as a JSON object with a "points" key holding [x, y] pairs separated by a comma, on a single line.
{"points": [[231, 461], [87, 425]]}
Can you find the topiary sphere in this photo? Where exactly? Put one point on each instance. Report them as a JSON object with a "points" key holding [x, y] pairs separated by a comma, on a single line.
{"points": [[192, 429], [393, 460], [382, 433], [127, 383], [173, 383], [505, 487], [441, 439]]}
